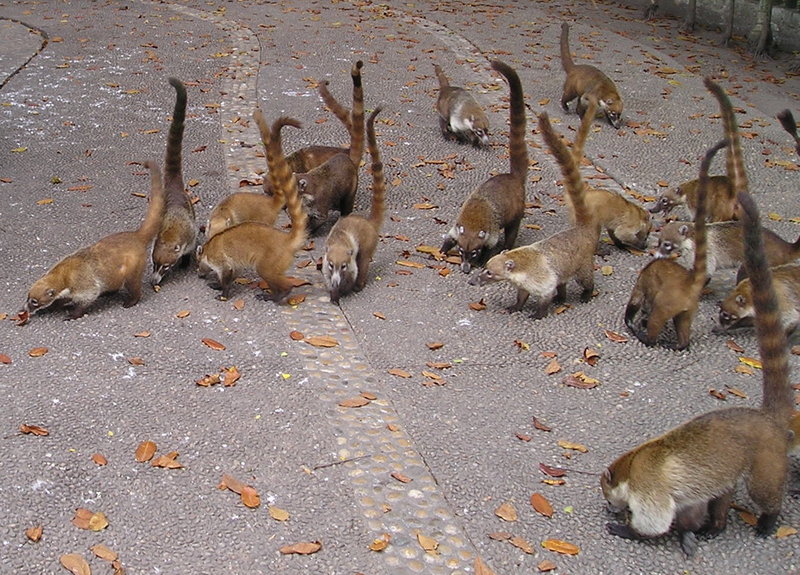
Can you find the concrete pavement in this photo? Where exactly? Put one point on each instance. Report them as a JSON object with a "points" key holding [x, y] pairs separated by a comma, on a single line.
{"points": [[96, 99]]}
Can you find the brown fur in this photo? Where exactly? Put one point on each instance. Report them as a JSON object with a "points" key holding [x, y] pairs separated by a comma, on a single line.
{"points": [[588, 83], [722, 204], [331, 186], [725, 242], [258, 246], [737, 309], [543, 269], [243, 207], [498, 204], [461, 118], [687, 476], [353, 239], [306, 159], [665, 290], [114, 263], [177, 239]]}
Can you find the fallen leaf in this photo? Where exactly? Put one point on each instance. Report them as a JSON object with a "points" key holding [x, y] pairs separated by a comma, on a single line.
{"points": [[213, 344], [321, 341], [552, 471], [561, 546], [401, 478], [209, 379], [751, 362], [230, 482], [733, 346], [296, 299], [304, 548], [99, 459], [542, 506], [231, 376], [167, 461], [569, 445], [410, 264], [33, 430], [250, 497], [38, 351], [75, 564], [590, 356], [540, 426], [354, 402], [477, 306], [506, 512], [4, 359], [521, 543], [500, 536], [381, 543], [552, 367], [481, 568], [545, 566], [580, 380], [399, 372], [142, 334], [296, 335], [145, 451], [429, 544], [277, 513], [104, 552], [434, 345], [34, 533], [379, 315], [615, 337], [238, 305], [785, 531], [183, 313]]}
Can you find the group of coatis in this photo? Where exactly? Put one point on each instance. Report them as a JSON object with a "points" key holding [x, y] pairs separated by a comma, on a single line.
{"points": [[684, 479]]}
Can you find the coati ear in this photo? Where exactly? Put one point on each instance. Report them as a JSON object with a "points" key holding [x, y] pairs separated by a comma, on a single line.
{"points": [[302, 184], [460, 230], [679, 191], [740, 300], [607, 475], [482, 234], [510, 264], [199, 250], [51, 292], [683, 230]]}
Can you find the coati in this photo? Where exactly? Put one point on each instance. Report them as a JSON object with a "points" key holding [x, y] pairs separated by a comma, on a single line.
{"points": [[722, 204], [787, 121], [258, 246], [543, 269], [627, 223], [686, 477], [329, 186], [498, 204], [461, 118], [177, 238], [737, 310], [243, 207], [114, 263], [665, 289], [588, 83], [725, 245], [651, 10], [352, 241], [306, 159]]}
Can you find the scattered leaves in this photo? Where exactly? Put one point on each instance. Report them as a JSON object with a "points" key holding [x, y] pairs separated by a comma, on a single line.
{"points": [[145, 451], [75, 564], [304, 548], [561, 546], [541, 505], [569, 445], [167, 461], [581, 381], [89, 520], [506, 512]]}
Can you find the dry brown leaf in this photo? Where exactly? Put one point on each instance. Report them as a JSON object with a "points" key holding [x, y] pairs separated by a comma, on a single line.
{"points": [[296, 299], [399, 372], [209, 379], [277, 513], [34, 533], [545, 566], [748, 518], [296, 335], [379, 315], [75, 564], [354, 402], [142, 334], [561, 547], [231, 375], [751, 362], [99, 459], [400, 477], [500, 535], [570, 445], [733, 346], [590, 356], [145, 451], [616, 337], [167, 461], [33, 430], [540, 426], [38, 351], [250, 497], [552, 471], [429, 544], [477, 306], [481, 567], [521, 543], [238, 305], [411, 264], [213, 344], [434, 345], [552, 367], [506, 512], [381, 543], [785, 531], [4, 359], [104, 552], [580, 380], [230, 482], [321, 341], [183, 313], [304, 548], [540, 503]]}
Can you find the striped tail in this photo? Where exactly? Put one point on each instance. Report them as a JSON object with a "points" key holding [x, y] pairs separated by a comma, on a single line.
{"points": [[517, 147], [173, 170], [378, 180]]}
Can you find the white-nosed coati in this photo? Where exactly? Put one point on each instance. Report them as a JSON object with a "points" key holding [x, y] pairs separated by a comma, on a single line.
{"points": [[725, 245], [243, 207], [498, 204], [720, 199], [258, 246], [627, 224], [787, 121], [737, 310], [665, 290], [114, 263], [461, 118], [543, 269], [352, 241], [686, 477], [177, 239], [330, 186], [587, 83], [306, 159]]}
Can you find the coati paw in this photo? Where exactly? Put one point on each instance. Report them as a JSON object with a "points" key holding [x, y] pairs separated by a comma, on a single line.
{"points": [[621, 530], [688, 543]]}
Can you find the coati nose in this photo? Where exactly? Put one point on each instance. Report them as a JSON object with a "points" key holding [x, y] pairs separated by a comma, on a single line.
{"points": [[466, 267]]}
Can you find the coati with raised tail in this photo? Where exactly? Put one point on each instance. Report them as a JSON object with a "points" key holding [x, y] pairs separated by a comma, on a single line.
{"points": [[498, 204], [461, 118], [588, 83], [737, 310], [543, 269], [665, 290], [787, 121], [720, 199], [177, 239], [330, 186], [725, 245], [258, 246], [114, 263], [306, 159], [686, 477], [353, 239], [243, 207], [627, 224]]}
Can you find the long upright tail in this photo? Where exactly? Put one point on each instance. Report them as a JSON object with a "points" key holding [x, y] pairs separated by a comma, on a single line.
{"points": [[263, 128], [357, 116], [341, 112], [572, 175], [778, 397], [378, 181], [517, 146], [700, 239], [566, 57], [443, 81], [156, 205], [583, 131], [173, 161], [283, 179], [734, 160]]}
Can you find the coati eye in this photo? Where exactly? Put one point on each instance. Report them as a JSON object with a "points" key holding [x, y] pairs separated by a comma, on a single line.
{"points": [[33, 302], [176, 249], [330, 265]]}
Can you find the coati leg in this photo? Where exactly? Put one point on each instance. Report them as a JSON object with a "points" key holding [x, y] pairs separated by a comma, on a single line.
{"points": [[522, 297], [683, 329], [510, 233], [717, 515], [766, 487], [279, 286], [561, 293], [225, 283], [362, 260], [133, 287]]}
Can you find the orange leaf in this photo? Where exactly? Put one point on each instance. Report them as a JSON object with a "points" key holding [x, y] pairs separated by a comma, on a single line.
{"points": [[521, 543], [277, 513], [561, 547], [616, 337], [304, 548], [321, 341], [230, 482], [541, 505], [434, 345], [545, 566], [481, 568], [4, 359], [427, 543], [399, 372], [75, 564], [296, 335], [33, 430], [145, 451], [250, 497], [477, 306], [552, 367], [506, 512], [99, 459], [232, 375], [104, 552], [401, 478], [354, 402], [38, 351], [213, 344], [34, 533]]}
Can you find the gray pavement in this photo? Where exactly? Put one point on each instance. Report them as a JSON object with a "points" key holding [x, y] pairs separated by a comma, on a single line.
{"points": [[96, 99]]}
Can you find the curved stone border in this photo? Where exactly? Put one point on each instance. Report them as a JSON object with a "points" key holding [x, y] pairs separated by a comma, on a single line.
{"points": [[371, 442]]}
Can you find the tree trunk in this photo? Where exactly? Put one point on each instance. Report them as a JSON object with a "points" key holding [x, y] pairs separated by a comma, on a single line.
{"points": [[761, 34], [727, 35]]}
